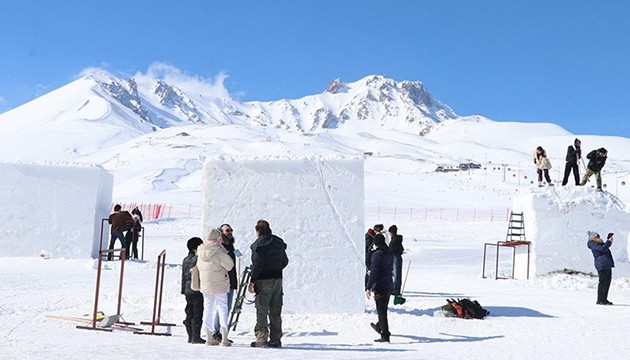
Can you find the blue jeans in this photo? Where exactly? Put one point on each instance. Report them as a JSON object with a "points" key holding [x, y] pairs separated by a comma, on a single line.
{"points": [[230, 296], [120, 236], [397, 273]]}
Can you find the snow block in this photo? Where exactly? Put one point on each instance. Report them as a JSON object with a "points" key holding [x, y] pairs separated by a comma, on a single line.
{"points": [[557, 222], [53, 211], [316, 205]]}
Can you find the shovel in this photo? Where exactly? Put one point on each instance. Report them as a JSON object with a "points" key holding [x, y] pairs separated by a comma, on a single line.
{"points": [[399, 299]]}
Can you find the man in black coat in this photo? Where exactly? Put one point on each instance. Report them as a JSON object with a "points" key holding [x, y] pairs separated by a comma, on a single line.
{"points": [[574, 153], [397, 249], [269, 258], [380, 284], [369, 242], [597, 160], [194, 299]]}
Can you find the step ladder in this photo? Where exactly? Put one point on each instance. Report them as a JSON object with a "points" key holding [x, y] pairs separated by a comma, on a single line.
{"points": [[516, 227]]}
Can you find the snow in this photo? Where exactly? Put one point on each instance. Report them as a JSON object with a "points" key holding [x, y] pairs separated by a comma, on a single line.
{"points": [[315, 205], [550, 316], [53, 210]]}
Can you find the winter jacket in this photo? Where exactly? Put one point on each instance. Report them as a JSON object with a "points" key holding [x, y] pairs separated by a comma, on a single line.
{"points": [[232, 273], [269, 258], [573, 154], [213, 263], [136, 211], [121, 221], [188, 263], [381, 269], [601, 254], [541, 161], [395, 245], [595, 163]]}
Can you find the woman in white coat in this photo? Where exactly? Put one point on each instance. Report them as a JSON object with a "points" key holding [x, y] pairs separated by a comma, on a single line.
{"points": [[214, 263], [542, 165]]}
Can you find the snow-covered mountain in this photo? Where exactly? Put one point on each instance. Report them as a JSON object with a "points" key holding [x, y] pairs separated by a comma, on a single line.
{"points": [[117, 110]]}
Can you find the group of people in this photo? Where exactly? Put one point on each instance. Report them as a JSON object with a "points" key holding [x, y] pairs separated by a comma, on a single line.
{"points": [[383, 277], [208, 306], [126, 228], [597, 160]]}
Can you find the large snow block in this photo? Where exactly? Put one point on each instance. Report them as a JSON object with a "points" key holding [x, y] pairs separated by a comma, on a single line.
{"points": [[315, 205], [53, 208], [557, 222]]}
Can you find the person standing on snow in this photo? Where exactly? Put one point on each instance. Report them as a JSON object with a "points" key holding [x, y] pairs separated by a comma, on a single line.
{"points": [[269, 258], [369, 242], [574, 153], [542, 165], [397, 249], [194, 299], [227, 240], [597, 160], [214, 263], [603, 263], [137, 211], [380, 285], [120, 222]]}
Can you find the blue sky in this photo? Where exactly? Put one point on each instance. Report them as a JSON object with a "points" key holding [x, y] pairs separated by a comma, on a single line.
{"points": [[565, 62]]}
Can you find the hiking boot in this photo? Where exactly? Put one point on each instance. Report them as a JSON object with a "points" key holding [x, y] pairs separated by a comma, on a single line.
{"points": [[601, 303], [608, 302], [376, 327], [274, 344], [198, 340], [382, 340], [211, 341], [259, 344]]}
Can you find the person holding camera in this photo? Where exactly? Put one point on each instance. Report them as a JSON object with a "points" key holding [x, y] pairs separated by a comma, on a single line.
{"points": [[603, 263], [597, 160]]}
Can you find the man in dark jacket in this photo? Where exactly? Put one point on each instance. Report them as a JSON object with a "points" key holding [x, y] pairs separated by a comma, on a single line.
{"points": [[574, 153], [597, 160], [269, 258], [194, 299], [120, 221], [227, 239], [603, 263], [397, 249], [369, 241], [380, 285]]}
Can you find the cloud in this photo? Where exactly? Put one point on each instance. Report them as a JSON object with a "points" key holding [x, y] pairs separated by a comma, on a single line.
{"points": [[191, 84]]}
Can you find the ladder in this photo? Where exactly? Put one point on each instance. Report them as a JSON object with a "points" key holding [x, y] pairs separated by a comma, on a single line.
{"points": [[516, 227], [240, 298]]}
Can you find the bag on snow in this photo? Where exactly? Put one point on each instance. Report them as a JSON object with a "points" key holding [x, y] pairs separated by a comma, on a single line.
{"points": [[464, 309]]}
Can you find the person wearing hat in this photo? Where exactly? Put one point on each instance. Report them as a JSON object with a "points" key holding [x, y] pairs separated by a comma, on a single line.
{"points": [[380, 285], [597, 160], [369, 242], [574, 153], [603, 263], [397, 249], [194, 299], [214, 263]]}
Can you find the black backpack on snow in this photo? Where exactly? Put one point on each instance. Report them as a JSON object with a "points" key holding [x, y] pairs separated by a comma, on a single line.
{"points": [[473, 308]]}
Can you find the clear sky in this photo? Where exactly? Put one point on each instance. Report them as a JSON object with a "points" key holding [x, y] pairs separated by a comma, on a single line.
{"points": [[561, 61]]}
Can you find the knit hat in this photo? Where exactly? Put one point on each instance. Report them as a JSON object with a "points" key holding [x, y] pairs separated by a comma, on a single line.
{"points": [[193, 243], [592, 234], [213, 234], [393, 229]]}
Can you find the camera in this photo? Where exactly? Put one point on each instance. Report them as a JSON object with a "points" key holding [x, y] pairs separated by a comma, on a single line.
{"points": [[610, 235]]}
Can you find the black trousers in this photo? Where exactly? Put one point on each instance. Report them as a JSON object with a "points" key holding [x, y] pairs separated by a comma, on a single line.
{"points": [[605, 277], [567, 171], [194, 313], [540, 175], [382, 302]]}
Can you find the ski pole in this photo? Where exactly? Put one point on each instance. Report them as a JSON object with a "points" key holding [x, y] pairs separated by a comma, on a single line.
{"points": [[405, 282]]}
